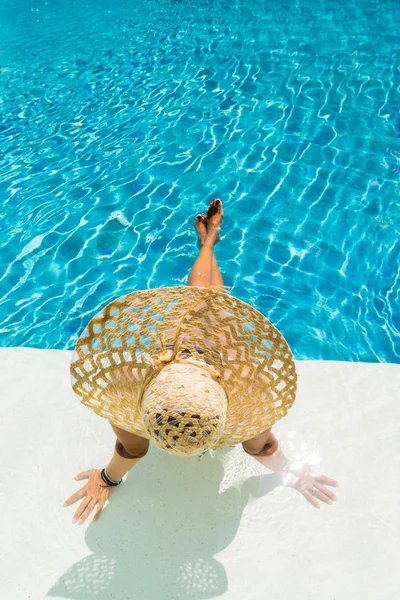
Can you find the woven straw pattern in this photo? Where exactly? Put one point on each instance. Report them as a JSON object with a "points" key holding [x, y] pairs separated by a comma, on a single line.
{"points": [[184, 409], [119, 353]]}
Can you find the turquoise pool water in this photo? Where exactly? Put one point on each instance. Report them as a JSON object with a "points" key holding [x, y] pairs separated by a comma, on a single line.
{"points": [[120, 120]]}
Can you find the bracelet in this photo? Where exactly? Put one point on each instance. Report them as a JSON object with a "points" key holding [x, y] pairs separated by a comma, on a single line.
{"points": [[108, 479]]}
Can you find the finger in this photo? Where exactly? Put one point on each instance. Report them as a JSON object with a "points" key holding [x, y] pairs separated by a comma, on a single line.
{"points": [[81, 509], [327, 480], [320, 494], [77, 496], [310, 498], [90, 506], [100, 507], [326, 491], [83, 475]]}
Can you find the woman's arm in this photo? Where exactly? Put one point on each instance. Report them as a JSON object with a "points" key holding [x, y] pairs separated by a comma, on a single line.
{"points": [[276, 462], [119, 466], [129, 449], [264, 448]]}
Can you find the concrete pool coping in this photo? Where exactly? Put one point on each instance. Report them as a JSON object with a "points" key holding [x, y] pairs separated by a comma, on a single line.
{"points": [[219, 527]]}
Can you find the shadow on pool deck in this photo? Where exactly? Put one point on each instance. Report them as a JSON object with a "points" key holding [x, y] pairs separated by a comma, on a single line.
{"points": [[158, 536]]}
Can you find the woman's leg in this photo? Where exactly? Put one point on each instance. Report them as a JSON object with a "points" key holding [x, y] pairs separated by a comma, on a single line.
{"points": [[200, 275], [205, 270], [216, 276]]}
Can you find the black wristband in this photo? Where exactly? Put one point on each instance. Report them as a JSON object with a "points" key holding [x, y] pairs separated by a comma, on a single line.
{"points": [[107, 480]]}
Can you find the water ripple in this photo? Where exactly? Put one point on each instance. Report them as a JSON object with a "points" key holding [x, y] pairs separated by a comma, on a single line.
{"points": [[120, 121]]}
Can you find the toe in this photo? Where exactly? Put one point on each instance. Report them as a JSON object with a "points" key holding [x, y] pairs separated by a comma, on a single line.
{"points": [[211, 208]]}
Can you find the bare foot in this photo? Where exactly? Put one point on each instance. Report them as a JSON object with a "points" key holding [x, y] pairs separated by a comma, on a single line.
{"points": [[209, 224], [200, 226], [215, 214]]}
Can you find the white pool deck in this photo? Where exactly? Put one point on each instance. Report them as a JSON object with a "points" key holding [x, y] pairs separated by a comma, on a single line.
{"points": [[180, 528]]}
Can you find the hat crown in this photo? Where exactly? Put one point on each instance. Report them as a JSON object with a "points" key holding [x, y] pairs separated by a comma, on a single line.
{"points": [[184, 409]]}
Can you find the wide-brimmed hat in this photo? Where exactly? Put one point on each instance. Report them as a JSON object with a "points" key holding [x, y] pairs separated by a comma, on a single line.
{"points": [[191, 368]]}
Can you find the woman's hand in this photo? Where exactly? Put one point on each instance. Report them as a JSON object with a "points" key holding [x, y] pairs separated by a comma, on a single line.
{"points": [[310, 484], [94, 492]]}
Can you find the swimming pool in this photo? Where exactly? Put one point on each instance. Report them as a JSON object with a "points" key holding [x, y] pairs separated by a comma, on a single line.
{"points": [[119, 122]]}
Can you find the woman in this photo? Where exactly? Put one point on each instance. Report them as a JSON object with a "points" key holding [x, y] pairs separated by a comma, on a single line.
{"points": [[225, 377]]}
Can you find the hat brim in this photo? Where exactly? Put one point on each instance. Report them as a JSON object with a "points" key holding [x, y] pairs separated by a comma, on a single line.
{"points": [[116, 354]]}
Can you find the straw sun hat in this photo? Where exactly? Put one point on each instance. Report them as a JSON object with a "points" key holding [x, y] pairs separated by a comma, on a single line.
{"points": [[190, 368]]}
